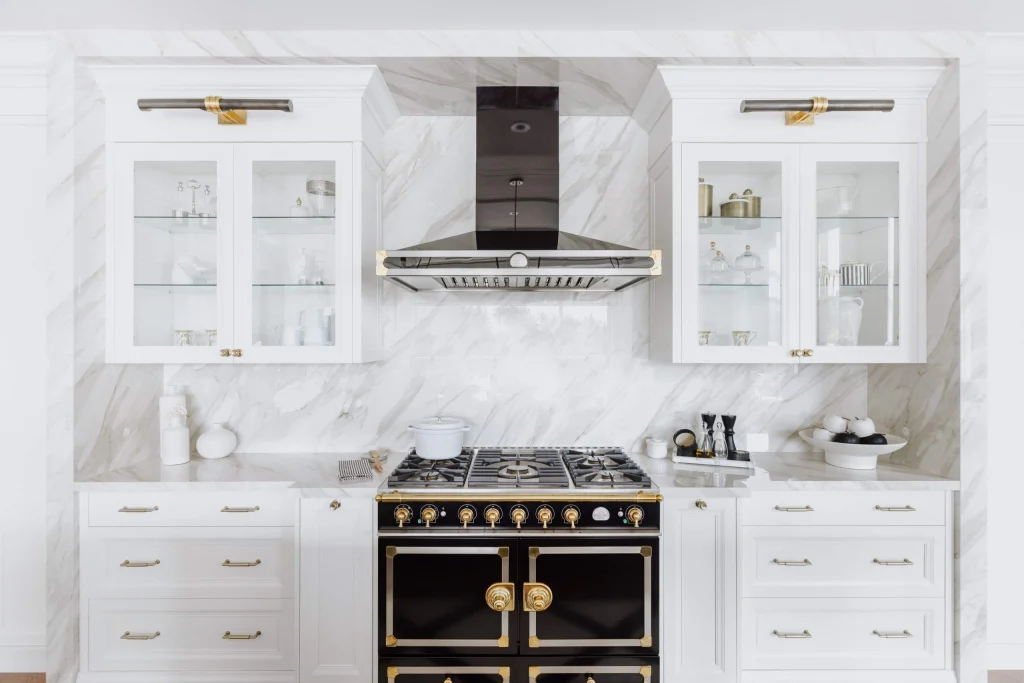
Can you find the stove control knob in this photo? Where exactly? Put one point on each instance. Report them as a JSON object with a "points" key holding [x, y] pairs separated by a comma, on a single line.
{"points": [[428, 513], [402, 515], [519, 515], [635, 514], [571, 514], [466, 515], [492, 515], [545, 515]]}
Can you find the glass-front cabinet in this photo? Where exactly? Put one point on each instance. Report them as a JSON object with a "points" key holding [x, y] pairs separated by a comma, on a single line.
{"points": [[236, 252], [797, 253]]}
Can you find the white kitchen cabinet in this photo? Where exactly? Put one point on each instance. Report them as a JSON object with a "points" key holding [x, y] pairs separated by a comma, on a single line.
{"points": [[699, 589], [827, 265], [336, 595], [257, 244]]}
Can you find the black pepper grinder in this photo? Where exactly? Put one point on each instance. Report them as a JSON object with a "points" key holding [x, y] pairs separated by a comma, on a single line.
{"points": [[729, 422], [708, 444]]}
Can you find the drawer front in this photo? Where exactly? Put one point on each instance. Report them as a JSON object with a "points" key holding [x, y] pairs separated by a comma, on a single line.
{"points": [[843, 633], [228, 508], [907, 562], [189, 562], [872, 508], [191, 635]]}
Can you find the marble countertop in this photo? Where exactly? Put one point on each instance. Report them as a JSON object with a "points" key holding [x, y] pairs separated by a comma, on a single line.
{"points": [[317, 474]]}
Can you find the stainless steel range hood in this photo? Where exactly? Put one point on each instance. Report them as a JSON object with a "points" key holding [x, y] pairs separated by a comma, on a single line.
{"points": [[517, 244]]}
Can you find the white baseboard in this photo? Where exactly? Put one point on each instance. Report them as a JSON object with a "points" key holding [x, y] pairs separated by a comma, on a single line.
{"points": [[1005, 656], [23, 659], [833, 676], [188, 677]]}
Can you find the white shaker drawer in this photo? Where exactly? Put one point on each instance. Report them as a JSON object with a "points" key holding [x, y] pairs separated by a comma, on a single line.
{"points": [[228, 508], [847, 561], [188, 562], [874, 508], [843, 633], [191, 635]]}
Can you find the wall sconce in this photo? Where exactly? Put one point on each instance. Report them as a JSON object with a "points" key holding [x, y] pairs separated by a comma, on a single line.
{"points": [[802, 112], [229, 110]]}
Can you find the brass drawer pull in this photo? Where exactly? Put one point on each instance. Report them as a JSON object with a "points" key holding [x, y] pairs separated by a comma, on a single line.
{"points": [[229, 563], [892, 563], [128, 509], [805, 508], [228, 635], [905, 634], [905, 508], [805, 634], [128, 635], [129, 563], [792, 563], [230, 509]]}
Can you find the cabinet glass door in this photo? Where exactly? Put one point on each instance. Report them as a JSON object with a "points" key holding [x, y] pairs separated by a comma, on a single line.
{"points": [[171, 269], [739, 219], [860, 250], [291, 247]]}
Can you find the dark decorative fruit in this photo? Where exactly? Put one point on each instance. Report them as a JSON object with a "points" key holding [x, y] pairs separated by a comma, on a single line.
{"points": [[846, 437], [874, 440]]}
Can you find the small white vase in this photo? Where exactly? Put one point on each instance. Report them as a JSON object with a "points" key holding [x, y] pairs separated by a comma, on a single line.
{"points": [[174, 447], [216, 442]]}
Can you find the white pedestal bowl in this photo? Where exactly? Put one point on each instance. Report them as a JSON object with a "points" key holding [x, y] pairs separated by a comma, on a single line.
{"points": [[853, 456]]}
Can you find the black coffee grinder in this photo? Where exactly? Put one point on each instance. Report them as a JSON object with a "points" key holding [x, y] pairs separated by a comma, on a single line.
{"points": [[729, 422]]}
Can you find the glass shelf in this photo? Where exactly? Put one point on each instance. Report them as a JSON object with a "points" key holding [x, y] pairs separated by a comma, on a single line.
{"points": [[726, 285], [854, 225], [718, 225], [194, 286]]}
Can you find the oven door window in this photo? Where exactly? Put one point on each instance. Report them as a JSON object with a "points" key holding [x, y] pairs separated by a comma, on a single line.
{"points": [[597, 594], [448, 595]]}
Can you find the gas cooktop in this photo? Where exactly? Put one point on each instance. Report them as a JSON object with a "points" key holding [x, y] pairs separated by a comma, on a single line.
{"points": [[522, 468]]}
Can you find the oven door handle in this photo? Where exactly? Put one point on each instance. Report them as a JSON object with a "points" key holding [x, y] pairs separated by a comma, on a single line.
{"points": [[537, 597], [501, 597]]}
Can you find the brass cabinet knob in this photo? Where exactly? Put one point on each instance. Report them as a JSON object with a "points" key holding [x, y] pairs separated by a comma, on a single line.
{"points": [[537, 597], [701, 505], [545, 515], [796, 353], [335, 504], [808, 353], [492, 515], [635, 514], [225, 352], [237, 353], [500, 597], [402, 515], [519, 516], [428, 514], [466, 515], [571, 515]]}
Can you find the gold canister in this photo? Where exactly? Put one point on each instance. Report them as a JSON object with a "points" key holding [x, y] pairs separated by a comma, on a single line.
{"points": [[705, 198], [755, 203], [735, 207]]}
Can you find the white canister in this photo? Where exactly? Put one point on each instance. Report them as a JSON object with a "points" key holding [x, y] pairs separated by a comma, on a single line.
{"points": [[216, 442], [657, 448], [174, 442], [439, 438]]}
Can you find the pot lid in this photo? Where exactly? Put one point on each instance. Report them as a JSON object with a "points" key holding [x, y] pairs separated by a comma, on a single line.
{"points": [[439, 424]]}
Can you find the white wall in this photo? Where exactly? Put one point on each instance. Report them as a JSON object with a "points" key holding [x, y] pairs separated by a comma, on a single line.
{"points": [[22, 359]]}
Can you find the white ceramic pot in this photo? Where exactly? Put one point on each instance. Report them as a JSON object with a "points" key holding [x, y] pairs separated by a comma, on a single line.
{"points": [[439, 438], [216, 442]]}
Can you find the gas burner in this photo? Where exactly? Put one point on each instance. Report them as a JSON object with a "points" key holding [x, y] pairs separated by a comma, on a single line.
{"points": [[420, 472], [518, 470], [604, 467]]}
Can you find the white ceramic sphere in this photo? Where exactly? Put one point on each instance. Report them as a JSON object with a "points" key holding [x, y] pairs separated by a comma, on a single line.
{"points": [[862, 426], [834, 423], [216, 442], [823, 434]]}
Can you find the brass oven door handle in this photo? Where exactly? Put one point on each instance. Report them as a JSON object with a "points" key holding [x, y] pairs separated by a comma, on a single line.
{"points": [[128, 635], [231, 509], [228, 635], [805, 508], [128, 509], [893, 563], [792, 563], [229, 563], [905, 508], [129, 563], [904, 634], [501, 597], [537, 597], [780, 634]]}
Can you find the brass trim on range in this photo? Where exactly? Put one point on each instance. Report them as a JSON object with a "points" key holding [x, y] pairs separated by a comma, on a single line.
{"points": [[645, 672], [565, 495], [645, 551], [381, 268], [504, 671], [537, 597]]}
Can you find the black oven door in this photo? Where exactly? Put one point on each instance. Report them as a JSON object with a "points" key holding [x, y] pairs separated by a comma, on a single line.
{"points": [[442, 669], [447, 596], [583, 596]]}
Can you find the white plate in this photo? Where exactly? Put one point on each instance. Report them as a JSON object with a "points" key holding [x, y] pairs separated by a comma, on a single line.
{"points": [[854, 456]]}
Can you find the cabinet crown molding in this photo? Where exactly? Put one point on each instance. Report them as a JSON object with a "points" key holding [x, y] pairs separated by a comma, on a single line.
{"points": [[1005, 55]]}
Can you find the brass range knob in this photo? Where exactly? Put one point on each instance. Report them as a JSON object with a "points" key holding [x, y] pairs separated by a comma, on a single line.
{"points": [[545, 515], [571, 515], [428, 513], [492, 515], [402, 515], [466, 515], [519, 515], [635, 515]]}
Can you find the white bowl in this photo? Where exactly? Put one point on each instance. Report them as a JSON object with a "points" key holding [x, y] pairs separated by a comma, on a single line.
{"points": [[853, 456]]}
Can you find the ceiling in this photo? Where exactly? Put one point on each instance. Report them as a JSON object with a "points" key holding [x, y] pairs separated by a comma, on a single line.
{"points": [[909, 15]]}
